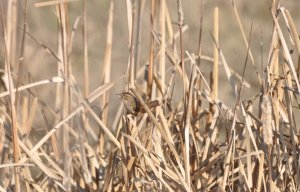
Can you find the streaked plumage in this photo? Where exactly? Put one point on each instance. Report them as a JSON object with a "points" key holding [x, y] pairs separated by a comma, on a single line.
{"points": [[133, 105]]}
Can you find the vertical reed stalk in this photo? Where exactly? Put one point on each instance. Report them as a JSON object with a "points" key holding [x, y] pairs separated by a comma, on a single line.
{"points": [[132, 43], [140, 5], [85, 52], [151, 55], [180, 25], [86, 86], [163, 44], [215, 70], [21, 57], [10, 36], [107, 62], [215, 83], [64, 30]]}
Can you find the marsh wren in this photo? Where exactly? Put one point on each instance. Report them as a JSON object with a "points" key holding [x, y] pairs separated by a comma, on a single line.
{"points": [[133, 105]]}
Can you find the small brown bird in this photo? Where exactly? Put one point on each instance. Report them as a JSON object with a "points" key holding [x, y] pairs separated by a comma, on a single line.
{"points": [[133, 105]]}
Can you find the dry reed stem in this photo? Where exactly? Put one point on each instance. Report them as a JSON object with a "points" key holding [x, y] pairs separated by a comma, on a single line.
{"points": [[245, 39], [157, 125], [21, 57], [227, 70], [200, 35], [187, 127], [286, 51], [32, 115], [215, 79], [180, 25], [162, 61], [173, 61], [151, 54], [131, 13], [138, 40], [86, 104], [63, 20], [43, 45], [156, 161], [53, 2], [166, 149], [248, 162], [31, 85], [10, 61], [91, 98], [169, 25], [107, 62], [85, 51]]}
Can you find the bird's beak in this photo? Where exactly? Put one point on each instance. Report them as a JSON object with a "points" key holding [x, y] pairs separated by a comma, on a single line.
{"points": [[119, 94]]}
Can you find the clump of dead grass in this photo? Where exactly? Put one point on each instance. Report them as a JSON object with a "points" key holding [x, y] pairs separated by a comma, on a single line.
{"points": [[198, 143]]}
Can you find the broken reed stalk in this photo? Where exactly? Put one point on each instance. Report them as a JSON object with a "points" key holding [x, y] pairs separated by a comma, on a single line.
{"points": [[215, 83], [215, 70]]}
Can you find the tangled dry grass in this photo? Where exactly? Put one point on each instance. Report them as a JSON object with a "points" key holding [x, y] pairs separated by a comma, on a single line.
{"points": [[192, 141]]}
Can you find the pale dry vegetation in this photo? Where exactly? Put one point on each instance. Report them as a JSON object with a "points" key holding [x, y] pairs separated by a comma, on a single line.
{"points": [[76, 139]]}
